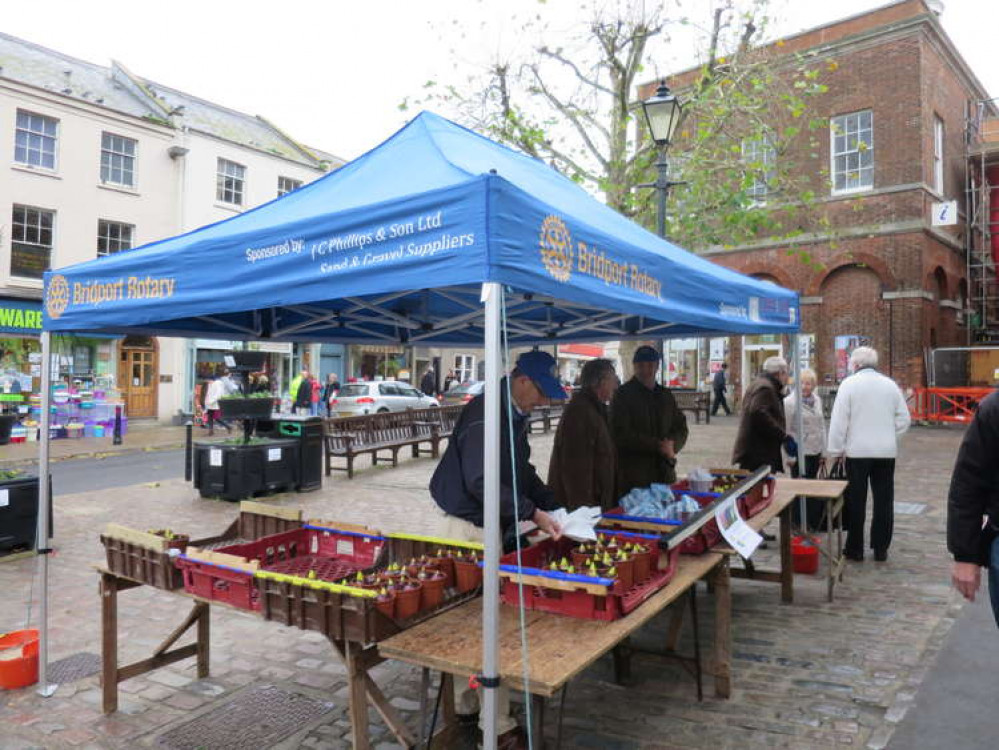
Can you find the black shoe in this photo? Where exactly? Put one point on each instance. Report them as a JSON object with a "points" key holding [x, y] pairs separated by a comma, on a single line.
{"points": [[855, 556], [880, 555]]}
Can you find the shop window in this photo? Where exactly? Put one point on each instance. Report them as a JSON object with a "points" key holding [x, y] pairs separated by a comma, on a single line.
{"points": [[113, 237], [31, 241], [938, 147], [35, 140], [464, 366], [117, 160], [287, 185], [852, 147], [230, 182]]}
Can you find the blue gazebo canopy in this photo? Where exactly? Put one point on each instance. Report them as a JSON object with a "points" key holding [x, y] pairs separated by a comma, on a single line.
{"points": [[394, 247]]}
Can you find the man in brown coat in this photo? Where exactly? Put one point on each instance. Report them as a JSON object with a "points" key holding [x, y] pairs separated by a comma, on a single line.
{"points": [[584, 462], [762, 429], [649, 428]]}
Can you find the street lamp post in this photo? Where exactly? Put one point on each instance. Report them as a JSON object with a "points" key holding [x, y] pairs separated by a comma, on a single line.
{"points": [[663, 112]]}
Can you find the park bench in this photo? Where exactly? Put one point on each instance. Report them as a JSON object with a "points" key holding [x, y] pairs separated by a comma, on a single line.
{"points": [[544, 417], [350, 437], [698, 402]]}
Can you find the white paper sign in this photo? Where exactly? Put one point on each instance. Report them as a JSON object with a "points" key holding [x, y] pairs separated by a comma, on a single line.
{"points": [[344, 547], [273, 454], [736, 531], [215, 457], [4, 498]]}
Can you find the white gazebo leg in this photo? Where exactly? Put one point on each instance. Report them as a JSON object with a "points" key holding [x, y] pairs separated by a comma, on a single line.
{"points": [[44, 503]]}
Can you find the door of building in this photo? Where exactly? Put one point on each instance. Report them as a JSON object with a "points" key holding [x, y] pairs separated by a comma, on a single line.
{"points": [[138, 373], [755, 351]]}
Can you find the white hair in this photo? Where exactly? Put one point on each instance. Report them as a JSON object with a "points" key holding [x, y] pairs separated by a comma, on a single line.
{"points": [[863, 356], [773, 365]]}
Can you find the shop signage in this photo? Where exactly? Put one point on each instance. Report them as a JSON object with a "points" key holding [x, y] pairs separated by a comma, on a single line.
{"points": [[20, 316]]}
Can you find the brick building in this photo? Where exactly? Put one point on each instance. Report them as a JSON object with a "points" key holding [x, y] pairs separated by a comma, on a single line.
{"points": [[884, 273]]}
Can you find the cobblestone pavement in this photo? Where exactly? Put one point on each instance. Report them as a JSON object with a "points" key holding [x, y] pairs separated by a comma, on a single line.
{"points": [[807, 675]]}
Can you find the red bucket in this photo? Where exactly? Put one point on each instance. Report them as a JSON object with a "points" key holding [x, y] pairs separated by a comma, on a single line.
{"points": [[18, 659], [805, 554]]}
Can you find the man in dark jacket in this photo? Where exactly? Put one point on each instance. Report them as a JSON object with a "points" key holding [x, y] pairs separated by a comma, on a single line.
{"points": [[303, 396], [457, 485], [762, 428], [974, 495], [429, 382], [719, 385], [458, 488], [583, 465], [649, 428]]}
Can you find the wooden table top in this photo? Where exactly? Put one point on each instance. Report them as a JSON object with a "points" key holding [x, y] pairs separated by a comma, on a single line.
{"points": [[560, 647]]}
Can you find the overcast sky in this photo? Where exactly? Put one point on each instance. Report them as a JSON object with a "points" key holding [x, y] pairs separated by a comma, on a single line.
{"points": [[332, 73]]}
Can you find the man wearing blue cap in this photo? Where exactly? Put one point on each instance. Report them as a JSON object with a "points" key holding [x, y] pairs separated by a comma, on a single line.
{"points": [[649, 428], [457, 487]]}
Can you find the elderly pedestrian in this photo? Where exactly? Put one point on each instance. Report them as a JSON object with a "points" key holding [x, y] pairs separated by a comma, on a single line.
{"points": [[583, 465], [718, 385], [868, 416], [762, 427], [458, 488], [973, 505], [811, 443], [429, 382], [648, 427]]}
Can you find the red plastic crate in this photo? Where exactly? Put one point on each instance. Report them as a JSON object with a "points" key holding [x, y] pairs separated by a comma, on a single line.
{"points": [[758, 498], [218, 583], [578, 603]]}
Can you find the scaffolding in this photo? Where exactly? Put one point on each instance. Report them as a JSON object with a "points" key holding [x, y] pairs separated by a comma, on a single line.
{"points": [[982, 220]]}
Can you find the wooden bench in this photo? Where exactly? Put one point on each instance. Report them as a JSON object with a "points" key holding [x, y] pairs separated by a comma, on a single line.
{"points": [[349, 437], [544, 417], [697, 402]]}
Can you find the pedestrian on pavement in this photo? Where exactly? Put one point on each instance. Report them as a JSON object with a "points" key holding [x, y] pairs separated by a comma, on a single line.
{"points": [[583, 466], [315, 396], [330, 392], [719, 384], [216, 390], [429, 382], [811, 443], [762, 428], [449, 380], [973, 505], [868, 416], [301, 393], [648, 427], [457, 487]]}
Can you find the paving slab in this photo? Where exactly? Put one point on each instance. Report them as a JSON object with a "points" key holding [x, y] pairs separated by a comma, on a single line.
{"points": [[807, 675]]}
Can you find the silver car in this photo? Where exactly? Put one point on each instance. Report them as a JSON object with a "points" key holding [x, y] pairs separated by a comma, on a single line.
{"points": [[378, 397]]}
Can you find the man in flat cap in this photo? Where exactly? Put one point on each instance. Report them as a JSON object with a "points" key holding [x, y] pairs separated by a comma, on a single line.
{"points": [[649, 428]]}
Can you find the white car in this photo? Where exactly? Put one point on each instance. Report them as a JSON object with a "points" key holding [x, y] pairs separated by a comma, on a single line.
{"points": [[377, 397]]}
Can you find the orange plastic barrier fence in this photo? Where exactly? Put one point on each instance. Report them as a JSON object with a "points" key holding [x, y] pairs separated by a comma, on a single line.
{"points": [[946, 404]]}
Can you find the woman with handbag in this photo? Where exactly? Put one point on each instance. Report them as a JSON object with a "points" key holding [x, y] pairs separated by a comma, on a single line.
{"points": [[811, 444]]}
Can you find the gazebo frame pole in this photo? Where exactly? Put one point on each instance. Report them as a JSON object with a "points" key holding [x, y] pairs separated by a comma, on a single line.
{"points": [[799, 427], [491, 292], [44, 503]]}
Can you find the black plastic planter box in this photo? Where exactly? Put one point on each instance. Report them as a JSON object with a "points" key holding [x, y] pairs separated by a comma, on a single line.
{"points": [[246, 408], [235, 472], [19, 513]]}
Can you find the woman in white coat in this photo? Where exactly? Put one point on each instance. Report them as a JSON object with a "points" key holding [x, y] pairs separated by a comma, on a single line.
{"points": [[812, 442]]}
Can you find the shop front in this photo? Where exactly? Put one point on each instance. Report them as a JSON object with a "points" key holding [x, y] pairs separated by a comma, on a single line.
{"points": [[208, 360], [377, 362]]}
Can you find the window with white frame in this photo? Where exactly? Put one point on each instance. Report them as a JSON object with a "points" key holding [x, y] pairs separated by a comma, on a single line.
{"points": [[113, 237], [464, 367], [35, 140], [117, 160], [852, 144], [287, 184], [230, 182], [759, 156], [938, 148], [31, 241]]}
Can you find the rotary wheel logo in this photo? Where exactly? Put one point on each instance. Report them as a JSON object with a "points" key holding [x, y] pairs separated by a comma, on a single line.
{"points": [[57, 296], [556, 247]]}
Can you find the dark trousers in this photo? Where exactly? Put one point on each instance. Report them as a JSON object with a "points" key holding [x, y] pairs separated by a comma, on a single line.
{"points": [[814, 508], [720, 401], [879, 473]]}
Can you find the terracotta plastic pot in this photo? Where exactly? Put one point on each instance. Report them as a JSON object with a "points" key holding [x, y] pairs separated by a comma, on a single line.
{"points": [[581, 560], [445, 565], [386, 603], [468, 574], [407, 600], [625, 573], [643, 564], [433, 591]]}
